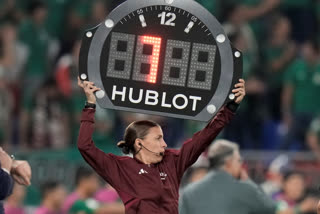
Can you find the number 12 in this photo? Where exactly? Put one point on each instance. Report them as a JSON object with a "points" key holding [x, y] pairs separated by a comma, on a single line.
{"points": [[169, 22]]}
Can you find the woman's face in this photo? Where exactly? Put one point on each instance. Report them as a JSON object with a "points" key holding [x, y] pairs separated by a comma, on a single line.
{"points": [[154, 142]]}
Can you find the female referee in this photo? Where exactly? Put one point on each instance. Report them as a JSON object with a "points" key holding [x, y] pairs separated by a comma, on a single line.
{"points": [[148, 182]]}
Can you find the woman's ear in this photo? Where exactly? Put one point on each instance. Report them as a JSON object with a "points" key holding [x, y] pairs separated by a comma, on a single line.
{"points": [[137, 143]]}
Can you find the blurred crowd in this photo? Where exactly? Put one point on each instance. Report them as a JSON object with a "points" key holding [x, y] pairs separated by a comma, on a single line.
{"points": [[88, 196], [288, 188], [41, 102], [280, 44]]}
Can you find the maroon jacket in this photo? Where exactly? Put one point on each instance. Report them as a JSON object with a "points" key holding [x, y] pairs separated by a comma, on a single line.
{"points": [[148, 188]]}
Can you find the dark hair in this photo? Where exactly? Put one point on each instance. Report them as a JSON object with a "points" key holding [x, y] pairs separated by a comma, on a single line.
{"points": [[219, 151], [291, 173], [83, 173], [35, 5], [137, 129], [48, 187]]}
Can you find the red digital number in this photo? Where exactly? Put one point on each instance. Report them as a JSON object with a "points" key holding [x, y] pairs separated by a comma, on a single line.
{"points": [[156, 42]]}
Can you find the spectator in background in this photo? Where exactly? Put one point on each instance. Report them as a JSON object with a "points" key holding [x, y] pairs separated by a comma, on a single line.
{"points": [[279, 53], [33, 34], [48, 124], [292, 195], [227, 187], [300, 101], [313, 137], [53, 196], [15, 53], [66, 72], [274, 175], [87, 183], [14, 203], [83, 198]]}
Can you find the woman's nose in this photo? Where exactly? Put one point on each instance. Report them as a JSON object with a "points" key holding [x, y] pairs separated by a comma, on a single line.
{"points": [[164, 144]]}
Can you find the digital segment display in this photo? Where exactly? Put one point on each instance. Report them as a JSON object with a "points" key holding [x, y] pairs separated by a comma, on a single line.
{"points": [[161, 59], [176, 61]]}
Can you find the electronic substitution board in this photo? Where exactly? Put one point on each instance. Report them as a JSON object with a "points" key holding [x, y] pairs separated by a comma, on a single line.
{"points": [[163, 57]]}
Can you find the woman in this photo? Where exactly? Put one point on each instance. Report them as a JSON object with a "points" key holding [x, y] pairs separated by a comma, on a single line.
{"points": [[148, 182]]}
